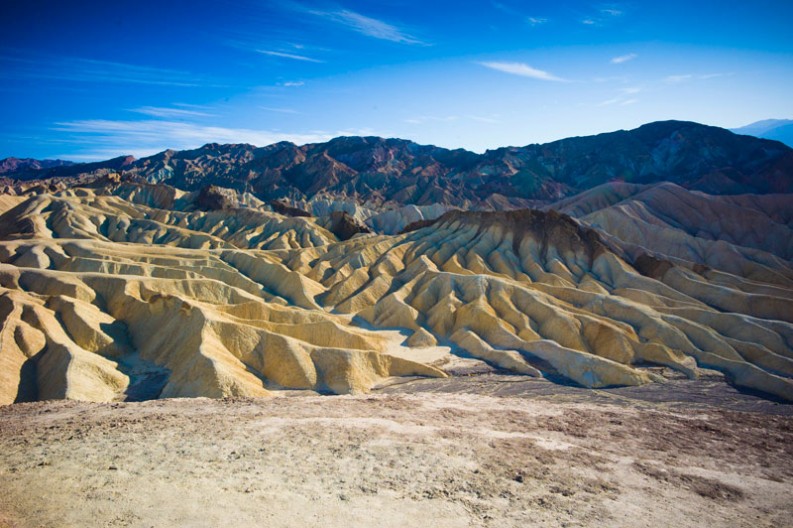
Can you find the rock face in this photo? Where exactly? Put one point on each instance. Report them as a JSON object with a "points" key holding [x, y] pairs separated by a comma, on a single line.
{"points": [[104, 297], [344, 226], [379, 171], [212, 198], [284, 209]]}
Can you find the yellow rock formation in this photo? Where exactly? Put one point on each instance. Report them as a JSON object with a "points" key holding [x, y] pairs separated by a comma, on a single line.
{"points": [[104, 298]]}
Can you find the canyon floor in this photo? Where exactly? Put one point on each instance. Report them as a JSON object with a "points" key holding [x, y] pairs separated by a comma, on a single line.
{"points": [[481, 450]]}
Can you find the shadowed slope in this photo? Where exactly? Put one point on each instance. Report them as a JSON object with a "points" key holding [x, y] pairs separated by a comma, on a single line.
{"points": [[746, 235]]}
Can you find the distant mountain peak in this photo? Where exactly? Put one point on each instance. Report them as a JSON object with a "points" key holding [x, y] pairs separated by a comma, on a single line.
{"points": [[776, 129], [15, 165]]}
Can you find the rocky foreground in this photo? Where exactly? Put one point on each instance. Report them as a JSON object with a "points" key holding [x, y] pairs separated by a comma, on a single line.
{"points": [[416, 455]]}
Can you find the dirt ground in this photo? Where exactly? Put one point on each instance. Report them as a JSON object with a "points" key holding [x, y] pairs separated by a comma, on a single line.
{"points": [[434, 453]]}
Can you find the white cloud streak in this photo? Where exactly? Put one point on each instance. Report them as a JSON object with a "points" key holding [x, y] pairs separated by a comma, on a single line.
{"points": [[170, 113], [521, 69], [420, 120], [280, 110], [676, 79], [624, 58], [604, 15], [291, 56], [371, 27], [90, 70], [624, 99]]}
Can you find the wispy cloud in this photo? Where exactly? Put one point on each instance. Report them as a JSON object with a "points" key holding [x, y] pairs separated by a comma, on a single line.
{"points": [[371, 27], [293, 84], [280, 110], [170, 113], [713, 76], [624, 98], [624, 58], [79, 69], [503, 7], [609, 102], [420, 120], [675, 79], [292, 56], [515, 13], [603, 16], [618, 101], [101, 139], [485, 119], [521, 69]]}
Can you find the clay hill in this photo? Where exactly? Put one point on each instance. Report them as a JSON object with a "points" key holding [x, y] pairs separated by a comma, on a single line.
{"points": [[120, 290], [377, 171]]}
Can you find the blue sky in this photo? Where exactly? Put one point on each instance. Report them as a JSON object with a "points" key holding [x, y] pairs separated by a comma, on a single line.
{"points": [[92, 80]]}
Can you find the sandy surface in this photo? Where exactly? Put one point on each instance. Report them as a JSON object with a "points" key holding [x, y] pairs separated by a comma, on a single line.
{"points": [[419, 458]]}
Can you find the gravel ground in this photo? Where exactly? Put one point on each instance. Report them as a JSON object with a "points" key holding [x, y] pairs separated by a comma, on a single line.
{"points": [[480, 451]]}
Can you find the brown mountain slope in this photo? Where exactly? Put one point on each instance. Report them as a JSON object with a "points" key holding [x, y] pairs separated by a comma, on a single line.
{"points": [[377, 171]]}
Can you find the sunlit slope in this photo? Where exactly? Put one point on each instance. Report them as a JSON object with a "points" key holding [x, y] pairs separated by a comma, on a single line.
{"points": [[87, 315], [538, 293], [104, 299], [81, 213]]}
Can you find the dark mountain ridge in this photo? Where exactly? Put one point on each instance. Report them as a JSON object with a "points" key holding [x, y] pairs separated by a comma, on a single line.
{"points": [[20, 166], [378, 170]]}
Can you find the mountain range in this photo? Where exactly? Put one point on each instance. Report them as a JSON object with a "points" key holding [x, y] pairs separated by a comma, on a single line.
{"points": [[378, 171], [776, 129]]}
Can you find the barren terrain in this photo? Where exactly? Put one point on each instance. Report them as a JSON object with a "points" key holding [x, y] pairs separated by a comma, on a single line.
{"points": [[378, 357], [409, 454]]}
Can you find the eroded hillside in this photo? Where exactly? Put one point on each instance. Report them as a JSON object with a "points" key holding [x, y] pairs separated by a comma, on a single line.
{"points": [[114, 296]]}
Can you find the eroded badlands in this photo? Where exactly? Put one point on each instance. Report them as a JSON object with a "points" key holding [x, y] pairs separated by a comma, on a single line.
{"points": [[106, 296]]}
